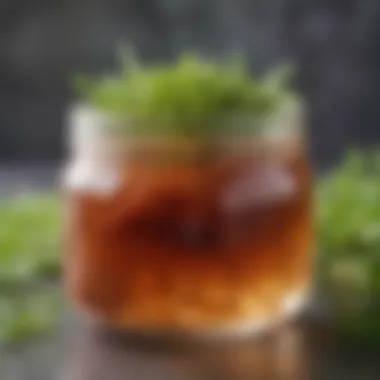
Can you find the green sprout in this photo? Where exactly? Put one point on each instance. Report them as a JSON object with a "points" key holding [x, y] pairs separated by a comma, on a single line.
{"points": [[190, 97]]}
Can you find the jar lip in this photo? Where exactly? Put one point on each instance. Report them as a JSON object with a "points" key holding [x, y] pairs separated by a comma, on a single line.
{"points": [[103, 122], [235, 126], [88, 124]]}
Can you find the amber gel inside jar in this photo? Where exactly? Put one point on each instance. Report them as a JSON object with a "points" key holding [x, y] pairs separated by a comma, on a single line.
{"points": [[169, 234]]}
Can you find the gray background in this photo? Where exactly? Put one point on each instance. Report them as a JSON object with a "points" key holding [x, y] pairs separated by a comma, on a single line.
{"points": [[336, 44], [44, 42]]}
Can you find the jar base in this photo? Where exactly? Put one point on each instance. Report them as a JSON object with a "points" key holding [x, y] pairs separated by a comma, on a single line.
{"points": [[294, 304]]}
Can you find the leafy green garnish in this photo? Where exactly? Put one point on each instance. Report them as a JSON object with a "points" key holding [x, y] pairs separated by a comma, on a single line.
{"points": [[190, 97]]}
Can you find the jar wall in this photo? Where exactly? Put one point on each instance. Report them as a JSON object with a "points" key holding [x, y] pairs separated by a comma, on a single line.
{"points": [[193, 245]]}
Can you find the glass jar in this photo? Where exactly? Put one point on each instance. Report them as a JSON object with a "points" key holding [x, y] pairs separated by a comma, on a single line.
{"points": [[183, 235]]}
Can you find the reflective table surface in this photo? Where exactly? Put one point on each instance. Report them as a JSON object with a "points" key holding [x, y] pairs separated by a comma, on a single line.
{"points": [[296, 351]]}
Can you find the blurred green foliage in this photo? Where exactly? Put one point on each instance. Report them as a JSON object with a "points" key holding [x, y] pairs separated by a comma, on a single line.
{"points": [[191, 97], [348, 213], [29, 260], [29, 237]]}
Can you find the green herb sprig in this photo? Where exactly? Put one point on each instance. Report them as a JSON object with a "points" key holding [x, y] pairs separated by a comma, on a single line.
{"points": [[189, 98]]}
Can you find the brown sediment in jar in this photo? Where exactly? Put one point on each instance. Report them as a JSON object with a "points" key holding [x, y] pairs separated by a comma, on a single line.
{"points": [[165, 250]]}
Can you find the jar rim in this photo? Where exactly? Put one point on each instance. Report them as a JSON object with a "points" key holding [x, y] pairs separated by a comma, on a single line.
{"points": [[89, 125], [106, 123]]}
